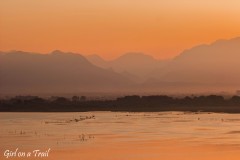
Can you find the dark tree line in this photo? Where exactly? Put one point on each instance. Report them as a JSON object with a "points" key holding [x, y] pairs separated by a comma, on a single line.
{"points": [[211, 103]]}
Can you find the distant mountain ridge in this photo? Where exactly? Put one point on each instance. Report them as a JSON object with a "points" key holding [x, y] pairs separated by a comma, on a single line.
{"points": [[209, 67], [23, 72], [136, 66], [214, 66]]}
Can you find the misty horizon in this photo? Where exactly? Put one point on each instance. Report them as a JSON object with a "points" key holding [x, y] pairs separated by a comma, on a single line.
{"points": [[120, 79], [121, 55], [204, 68]]}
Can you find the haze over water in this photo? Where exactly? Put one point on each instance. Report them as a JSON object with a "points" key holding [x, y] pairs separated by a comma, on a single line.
{"points": [[93, 48], [122, 135]]}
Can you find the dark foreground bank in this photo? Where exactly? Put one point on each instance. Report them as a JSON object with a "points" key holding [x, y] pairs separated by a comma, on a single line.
{"points": [[211, 103]]}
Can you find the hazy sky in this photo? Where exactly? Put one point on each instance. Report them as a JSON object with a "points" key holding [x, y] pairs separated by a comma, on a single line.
{"points": [[162, 28]]}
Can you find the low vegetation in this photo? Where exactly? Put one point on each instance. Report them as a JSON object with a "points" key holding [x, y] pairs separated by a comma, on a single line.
{"points": [[135, 103]]}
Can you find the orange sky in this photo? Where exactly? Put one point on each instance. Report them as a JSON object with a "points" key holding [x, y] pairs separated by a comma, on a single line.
{"points": [[162, 28]]}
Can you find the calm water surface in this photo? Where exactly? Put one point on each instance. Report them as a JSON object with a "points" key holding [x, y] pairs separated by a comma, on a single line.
{"points": [[119, 130]]}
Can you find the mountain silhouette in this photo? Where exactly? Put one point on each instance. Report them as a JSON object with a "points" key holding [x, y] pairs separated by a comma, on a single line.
{"points": [[214, 65], [208, 67], [22, 72], [136, 66]]}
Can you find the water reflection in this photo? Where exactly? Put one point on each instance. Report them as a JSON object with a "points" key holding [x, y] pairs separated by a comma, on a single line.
{"points": [[92, 129]]}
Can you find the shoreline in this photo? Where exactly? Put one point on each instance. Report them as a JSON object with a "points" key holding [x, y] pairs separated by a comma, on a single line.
{"points": [[135, 103]]}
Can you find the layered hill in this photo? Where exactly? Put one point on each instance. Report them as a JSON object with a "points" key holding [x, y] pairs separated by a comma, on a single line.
{"points": [[216, 65], [22, 72], [208, 68], [135, 66]]}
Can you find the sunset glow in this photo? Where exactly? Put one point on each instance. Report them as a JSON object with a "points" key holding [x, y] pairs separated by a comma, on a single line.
{"points": [[120, 79], [113, 27]]}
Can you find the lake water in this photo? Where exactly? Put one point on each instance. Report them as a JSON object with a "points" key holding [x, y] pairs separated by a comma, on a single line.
{"points": [[122, 135]]}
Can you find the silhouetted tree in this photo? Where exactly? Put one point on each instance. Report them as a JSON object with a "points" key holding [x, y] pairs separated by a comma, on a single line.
{"points": [[75, 99], [61, 100], [235, 100], [83, 98]]}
